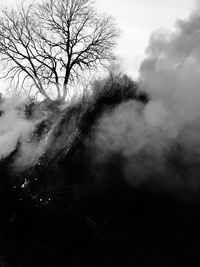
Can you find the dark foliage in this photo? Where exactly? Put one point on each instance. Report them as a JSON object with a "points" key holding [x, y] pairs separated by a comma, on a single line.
{"points": [[107, 95], [75, 126], [93, 218], [117, 89]]}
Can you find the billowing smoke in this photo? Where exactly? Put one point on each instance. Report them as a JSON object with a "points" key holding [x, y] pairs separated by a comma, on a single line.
{"points": [[18, 133], [160, 141], [30, 152], [14, 127]]}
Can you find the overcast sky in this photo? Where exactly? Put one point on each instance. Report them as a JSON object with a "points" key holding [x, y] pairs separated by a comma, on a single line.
{"points": [[137, 19]]}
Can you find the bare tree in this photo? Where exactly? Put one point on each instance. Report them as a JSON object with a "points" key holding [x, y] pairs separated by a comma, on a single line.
{"points": [[49, 45]]}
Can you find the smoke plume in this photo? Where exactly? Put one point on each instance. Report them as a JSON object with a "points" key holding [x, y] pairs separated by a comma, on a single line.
{"points": [[160, 141], [19, 134], [14, 127]]}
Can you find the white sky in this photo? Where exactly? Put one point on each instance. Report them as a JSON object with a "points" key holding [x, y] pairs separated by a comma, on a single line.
{"points": [[137, 19]]}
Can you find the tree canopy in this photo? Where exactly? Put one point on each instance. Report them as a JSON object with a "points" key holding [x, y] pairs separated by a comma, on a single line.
{"points": [[49, 45]]}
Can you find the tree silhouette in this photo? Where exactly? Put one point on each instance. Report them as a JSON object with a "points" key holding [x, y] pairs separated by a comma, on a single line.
{"points": [[47, 46]]}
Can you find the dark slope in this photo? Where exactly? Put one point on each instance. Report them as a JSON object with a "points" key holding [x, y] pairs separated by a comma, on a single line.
{"points": [[78, 213]]}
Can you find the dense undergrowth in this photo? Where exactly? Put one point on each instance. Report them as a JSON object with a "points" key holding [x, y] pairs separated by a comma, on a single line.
{"points": [[71, 208]]}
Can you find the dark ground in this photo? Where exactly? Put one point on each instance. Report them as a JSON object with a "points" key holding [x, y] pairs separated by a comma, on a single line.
{"points": [[122, 227], [110, 224]]}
